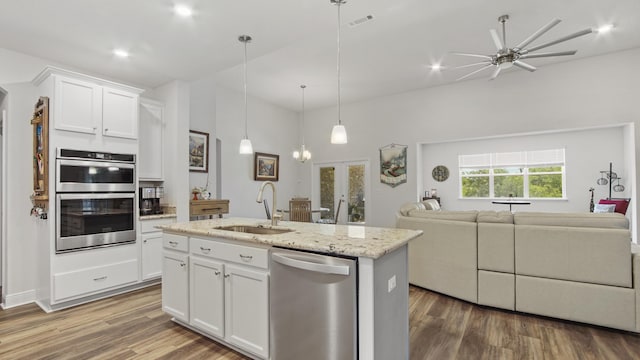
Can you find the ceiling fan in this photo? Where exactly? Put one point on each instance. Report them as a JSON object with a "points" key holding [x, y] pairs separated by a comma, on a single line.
{"points": [[506, 57]]}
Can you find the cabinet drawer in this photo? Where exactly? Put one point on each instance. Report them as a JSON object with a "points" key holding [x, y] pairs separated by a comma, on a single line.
{"points": [[175, 242], [147, 226], [91, 280], [246, 255], [208, 207]]}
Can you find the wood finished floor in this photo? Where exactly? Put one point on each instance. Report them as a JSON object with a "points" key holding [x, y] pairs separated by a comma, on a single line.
{"points": [[132, 326]]}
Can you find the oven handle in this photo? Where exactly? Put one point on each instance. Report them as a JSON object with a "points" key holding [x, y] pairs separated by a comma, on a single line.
{"points": [[103, 164], [74, 196]]}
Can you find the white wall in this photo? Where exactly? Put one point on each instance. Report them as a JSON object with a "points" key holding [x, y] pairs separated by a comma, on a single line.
{"points": [[601, 146], [272, 130], [582, 93], [203, 118], [21, 241]]}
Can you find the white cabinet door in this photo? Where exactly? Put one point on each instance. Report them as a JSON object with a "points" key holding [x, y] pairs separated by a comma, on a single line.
{"points": [[207, 296], [78, 105], [151, 255], [119, 113], [151, 141], [247, 309], [175, 284]]}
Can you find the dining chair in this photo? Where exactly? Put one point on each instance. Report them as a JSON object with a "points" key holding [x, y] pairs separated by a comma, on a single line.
{"points": [[335, 219], [300, 210]]}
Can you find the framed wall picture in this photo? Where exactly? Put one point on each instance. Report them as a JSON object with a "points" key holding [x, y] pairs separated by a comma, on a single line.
{"points": [[266, 167], [198, 151]]}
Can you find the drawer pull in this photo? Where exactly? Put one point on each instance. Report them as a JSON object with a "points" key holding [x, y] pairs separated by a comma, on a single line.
{"points": [[100, 278], [246, 257], [205, 250], [173, 243], [211, 209]]}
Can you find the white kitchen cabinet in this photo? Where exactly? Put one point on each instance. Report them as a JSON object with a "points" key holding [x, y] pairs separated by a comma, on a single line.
{"points": [[78, 105], [206, 298], [151, 140], [119, 113], [151, 255], [175, 276], [85, 104], [247, 309], [151, 247]]}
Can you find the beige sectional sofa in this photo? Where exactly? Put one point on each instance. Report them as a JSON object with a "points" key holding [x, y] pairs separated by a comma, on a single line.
{"points": [[575, 266]]}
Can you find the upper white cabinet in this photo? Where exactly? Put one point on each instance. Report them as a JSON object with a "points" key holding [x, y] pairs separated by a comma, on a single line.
{"points": [[90, 105], [119, 113], [151, 139]]}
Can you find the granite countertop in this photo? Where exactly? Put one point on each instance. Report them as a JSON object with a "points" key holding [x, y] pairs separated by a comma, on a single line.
{"points": [[361, 241], [157, 216]]}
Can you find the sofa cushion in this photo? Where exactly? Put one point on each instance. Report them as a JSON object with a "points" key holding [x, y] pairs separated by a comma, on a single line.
{"points": [[431, 204], [583, 220], [489, 216], [405, 208], [469, 216]]}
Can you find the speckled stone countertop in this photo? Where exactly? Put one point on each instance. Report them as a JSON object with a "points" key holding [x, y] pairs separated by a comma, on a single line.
{"points": [[361, 241], [158, 216]]}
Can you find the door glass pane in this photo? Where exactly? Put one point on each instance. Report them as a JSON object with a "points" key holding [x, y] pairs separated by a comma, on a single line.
{"points": [[327, 191], [356, 194]]}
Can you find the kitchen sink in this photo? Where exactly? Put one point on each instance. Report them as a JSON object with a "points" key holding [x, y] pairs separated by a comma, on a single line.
{"points": [[253, 229]]}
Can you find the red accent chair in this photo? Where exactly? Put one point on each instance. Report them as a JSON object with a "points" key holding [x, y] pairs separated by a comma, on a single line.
{"points": [[621, 204]]}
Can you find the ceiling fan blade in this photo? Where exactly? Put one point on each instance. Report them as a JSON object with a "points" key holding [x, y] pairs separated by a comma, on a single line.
{"points": [[495, 73], [548, 54], [524, 65], [473, 55], [475, 72], [537, 34], [496, 39], [474, 64], [565, 38]]}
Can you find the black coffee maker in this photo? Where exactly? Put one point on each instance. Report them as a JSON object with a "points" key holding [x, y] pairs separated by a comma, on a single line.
{"points": [[150, 200]]}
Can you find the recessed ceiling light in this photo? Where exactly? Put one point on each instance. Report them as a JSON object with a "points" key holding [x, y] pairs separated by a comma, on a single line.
{"points": [[182, 10], [121, 53], [605, 28], [436, 67]]}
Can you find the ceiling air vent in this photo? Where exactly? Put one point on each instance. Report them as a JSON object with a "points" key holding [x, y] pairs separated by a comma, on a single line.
{"points": [[360, 21]]}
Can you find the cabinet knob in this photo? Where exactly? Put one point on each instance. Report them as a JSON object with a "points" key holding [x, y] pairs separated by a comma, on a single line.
{"points": [[226, 276], [145, 241], [106, 129], [217, 273], [182, 264]]}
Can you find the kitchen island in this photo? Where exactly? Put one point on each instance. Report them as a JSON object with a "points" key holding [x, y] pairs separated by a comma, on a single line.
{"points": [[200, 250]]}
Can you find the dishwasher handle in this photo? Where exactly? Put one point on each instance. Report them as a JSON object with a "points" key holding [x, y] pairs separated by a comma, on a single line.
{"points": [[310, 266]]}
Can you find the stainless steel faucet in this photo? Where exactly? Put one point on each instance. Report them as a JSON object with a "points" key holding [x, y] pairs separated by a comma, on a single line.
{"points": [[274, 217]]}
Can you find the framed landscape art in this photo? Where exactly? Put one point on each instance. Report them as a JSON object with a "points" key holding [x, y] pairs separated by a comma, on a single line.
{"points": [[266, 167], [198, 151]]}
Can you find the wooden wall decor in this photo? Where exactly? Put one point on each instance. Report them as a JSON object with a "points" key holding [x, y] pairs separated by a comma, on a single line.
{"points": [[40, 122]]}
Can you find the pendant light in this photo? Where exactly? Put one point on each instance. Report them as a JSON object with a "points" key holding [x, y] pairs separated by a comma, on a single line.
{"points": [[303, 154], [338, 133], [245, 143]]}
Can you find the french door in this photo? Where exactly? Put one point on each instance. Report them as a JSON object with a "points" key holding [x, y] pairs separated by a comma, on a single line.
{"points": [[342, 187]]}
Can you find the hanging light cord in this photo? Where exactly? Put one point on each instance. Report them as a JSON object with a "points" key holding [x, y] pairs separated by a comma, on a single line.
{"points": [[246, 134], [338, 3], [303, 86]]}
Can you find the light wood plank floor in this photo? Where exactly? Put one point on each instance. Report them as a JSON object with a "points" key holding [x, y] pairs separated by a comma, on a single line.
{"points": [[132, 326]]}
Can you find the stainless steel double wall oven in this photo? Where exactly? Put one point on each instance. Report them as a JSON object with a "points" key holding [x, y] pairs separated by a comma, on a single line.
{"points": [[95, 199]]}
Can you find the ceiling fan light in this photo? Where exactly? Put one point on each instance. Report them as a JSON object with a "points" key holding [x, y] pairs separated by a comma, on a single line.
{"points": [[605, 28], [505, 65], [246, 147], [339, 134]]}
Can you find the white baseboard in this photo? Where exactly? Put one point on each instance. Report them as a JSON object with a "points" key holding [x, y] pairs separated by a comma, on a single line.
{"points": [[22, 298]]}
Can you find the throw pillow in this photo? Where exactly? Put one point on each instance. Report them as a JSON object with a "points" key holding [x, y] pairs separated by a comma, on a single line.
{"points": [[604, 208]]}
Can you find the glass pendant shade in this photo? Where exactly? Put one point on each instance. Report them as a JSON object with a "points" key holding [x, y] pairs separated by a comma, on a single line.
{"points": [[339, 134], [245, 147]]}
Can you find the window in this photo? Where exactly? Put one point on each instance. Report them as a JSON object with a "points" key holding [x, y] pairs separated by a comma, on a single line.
{"points": [[523, 175]]}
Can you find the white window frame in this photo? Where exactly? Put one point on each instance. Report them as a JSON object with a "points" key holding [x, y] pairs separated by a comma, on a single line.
{"points": [[523, 159]]}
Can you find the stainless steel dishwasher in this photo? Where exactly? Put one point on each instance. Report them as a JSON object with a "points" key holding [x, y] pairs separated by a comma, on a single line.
{"points": [[313, 306]]}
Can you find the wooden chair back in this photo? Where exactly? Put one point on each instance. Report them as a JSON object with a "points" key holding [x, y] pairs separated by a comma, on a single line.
{"points": [[300, 210]]}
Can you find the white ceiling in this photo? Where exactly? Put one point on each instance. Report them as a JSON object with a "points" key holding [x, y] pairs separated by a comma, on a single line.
{"points": [[295, 40]]}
